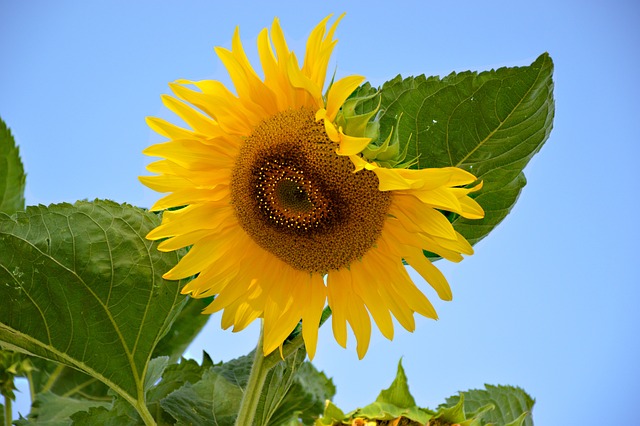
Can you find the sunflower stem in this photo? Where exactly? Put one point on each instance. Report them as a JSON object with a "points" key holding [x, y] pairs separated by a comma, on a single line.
{"points": [[146, 416], [8, 414], [259, 371]]}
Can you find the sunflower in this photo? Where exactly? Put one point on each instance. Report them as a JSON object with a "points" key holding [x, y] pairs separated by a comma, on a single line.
{"points": [[281, 211]]}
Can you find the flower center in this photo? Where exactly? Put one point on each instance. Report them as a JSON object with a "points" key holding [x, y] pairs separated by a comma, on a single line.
{"points": [[301, 201]]}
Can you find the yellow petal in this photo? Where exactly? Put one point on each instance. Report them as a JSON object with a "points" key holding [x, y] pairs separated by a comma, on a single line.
{"points": [[339, 92], [198, 122], [168, 130], [316, 296], [207, 250], [351, 145], [430, 273], [416, 300], [191, 196], [191, 154], [411, 212], [366, 281], [337, 283], [193, 218], [360, 322]]}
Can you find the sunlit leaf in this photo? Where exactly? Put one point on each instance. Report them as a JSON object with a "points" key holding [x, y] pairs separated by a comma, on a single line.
{"points": [[489, 123], [12, 177], [512, 405], [393, 403]]}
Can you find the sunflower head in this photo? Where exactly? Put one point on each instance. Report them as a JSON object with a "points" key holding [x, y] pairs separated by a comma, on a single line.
{"points": [[283, 207]]}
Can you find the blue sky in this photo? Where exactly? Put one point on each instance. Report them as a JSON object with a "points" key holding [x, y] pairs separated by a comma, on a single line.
{"points": [[549, 300]]}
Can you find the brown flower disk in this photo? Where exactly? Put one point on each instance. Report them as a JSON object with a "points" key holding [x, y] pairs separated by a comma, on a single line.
{"points": [[301, 201]]}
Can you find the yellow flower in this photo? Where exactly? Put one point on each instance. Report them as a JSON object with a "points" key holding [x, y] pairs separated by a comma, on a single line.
{"points": [[273, 197]]}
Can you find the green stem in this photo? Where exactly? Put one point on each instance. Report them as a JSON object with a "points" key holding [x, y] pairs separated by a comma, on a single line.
{"points": [[253, 391], [147, 418], [32, 386], [261, 367], [53, 377], [8, 415]]}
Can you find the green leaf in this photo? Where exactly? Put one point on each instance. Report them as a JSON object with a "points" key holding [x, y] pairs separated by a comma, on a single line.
{"points": [[490, 124], [83, 287], [392, 403], [331, 415], [103, 417], [54, 410], [398, 393], [119, 413], [12, 177], [174, 377], [270, 410], [208, 394], [187, 325], [294, 390], [453, 414], [310, 391], [512, 405], [49, 376], [213, 400]]}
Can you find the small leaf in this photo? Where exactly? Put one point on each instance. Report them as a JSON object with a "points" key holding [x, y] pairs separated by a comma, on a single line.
{"points": [[277, 384], [119, 413], [398, 393], [82, 286], [293, 390], [12, 177], [393, 403], [187, 325], [331, 415], [211, 401], [490, 124], [154, 371], [511, 404], [452, 414], [54, 410], [49, 376], [174, 377], [103, 417]]}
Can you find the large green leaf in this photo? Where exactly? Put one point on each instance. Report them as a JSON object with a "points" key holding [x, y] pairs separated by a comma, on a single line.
{"points": [[12, 177], [490, 124], [82, 286]]}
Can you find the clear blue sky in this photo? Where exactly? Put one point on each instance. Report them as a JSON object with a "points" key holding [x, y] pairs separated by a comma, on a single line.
{"points": [[549, 301]]}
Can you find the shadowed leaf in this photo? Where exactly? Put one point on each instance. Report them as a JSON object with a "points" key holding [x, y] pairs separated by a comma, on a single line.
{"points": [[82, 286]]}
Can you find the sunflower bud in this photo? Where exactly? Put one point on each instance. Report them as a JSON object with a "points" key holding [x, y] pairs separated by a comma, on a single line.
{"points": [[360, 116]]}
